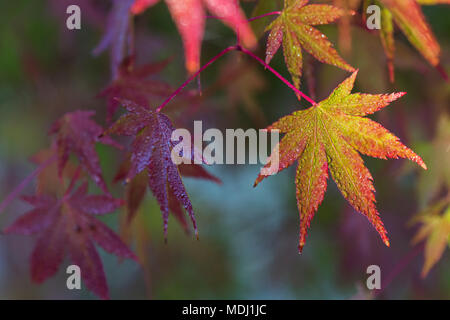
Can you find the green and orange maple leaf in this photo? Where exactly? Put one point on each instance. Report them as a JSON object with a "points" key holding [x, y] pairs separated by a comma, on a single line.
{"points": [[294, 29], [327, 137]]}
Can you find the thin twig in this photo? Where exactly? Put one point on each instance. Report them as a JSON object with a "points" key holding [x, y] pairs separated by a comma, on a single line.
{"points": [[192, 77], [222, 53], [279, 76], [264, 15]]}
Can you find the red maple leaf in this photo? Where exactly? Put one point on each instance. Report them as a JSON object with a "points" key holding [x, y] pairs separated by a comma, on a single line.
{"points": [[133, 84], [151, 152], [67, 225], [189, 16]]}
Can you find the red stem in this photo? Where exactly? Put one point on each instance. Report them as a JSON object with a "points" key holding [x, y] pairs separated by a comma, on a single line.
{"points": [[264, 15], [222, 53], [25, 182], [251, 19], [192, 77], [279, 76]]}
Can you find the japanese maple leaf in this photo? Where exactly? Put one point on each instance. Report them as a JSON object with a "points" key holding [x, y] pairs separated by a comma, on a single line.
{"points": [[327, 137], [294, 29], [189, 16], [67, 226], [408, 16], [435, 231], [132, 83], [76, 132], [151, 151]]}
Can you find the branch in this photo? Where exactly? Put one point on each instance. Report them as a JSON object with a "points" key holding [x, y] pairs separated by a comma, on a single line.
{"points": [[279, 76], [222, 53], [192, 77]]}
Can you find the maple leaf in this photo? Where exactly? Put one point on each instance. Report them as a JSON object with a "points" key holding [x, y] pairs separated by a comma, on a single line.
{"points": [[293, 28], [435, 229], [327, 137], [133, 84], [189, 16], [67, 225], [408, 15], [116, 35], [76, 132], [151, 151]]}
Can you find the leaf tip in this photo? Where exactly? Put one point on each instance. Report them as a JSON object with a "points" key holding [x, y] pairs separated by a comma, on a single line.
{"points": [[258, 180], [442, 72], [423, 165]]}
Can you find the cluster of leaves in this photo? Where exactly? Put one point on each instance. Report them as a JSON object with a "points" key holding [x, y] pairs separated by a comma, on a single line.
{"points": [[65, 216], [323, 138]]}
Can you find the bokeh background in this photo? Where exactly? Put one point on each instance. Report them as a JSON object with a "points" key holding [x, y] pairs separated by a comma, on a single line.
{"points": [[248, 237]]}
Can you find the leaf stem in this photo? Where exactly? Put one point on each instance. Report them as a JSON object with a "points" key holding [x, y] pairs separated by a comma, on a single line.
{"points": [[25, 182], [264, 15], [278, 75], [193, 76], [224, 52]]}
